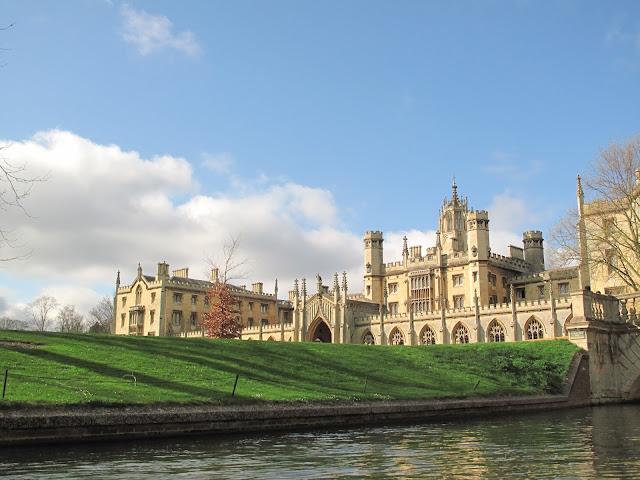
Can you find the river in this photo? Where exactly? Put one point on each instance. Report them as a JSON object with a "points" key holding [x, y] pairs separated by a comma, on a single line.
{"points": [[586, 443]]}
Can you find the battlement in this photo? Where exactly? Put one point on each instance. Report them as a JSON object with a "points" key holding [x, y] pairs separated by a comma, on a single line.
{"points": [[509, 262], [478, 215], [532, 234], [373, 234]]}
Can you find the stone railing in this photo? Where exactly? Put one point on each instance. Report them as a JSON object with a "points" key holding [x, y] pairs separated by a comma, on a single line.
{"points": [[597, 307]]}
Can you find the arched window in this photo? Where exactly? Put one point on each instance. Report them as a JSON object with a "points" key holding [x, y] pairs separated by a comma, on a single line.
{"points": [[461, 334], [368, 338], [534, 329], [428, 336], [396, 337], [495, 332], [138, 295]]}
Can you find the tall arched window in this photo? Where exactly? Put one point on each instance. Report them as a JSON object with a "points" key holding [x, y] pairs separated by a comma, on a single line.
{"points": [[138, 295], [534, 329], [396, 337], [428, 336], [495, 332], [461, 334]]}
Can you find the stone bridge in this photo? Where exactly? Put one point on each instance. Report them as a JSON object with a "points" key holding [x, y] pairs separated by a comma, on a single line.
{"points": [[607, 328]]}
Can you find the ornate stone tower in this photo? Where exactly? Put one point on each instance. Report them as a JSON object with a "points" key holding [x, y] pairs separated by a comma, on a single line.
{"points": [[453, 223], [373, 266], [534, 250]]}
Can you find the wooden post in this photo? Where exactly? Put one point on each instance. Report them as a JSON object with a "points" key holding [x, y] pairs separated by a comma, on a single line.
{"points": [[235, 384], [4, 388]]}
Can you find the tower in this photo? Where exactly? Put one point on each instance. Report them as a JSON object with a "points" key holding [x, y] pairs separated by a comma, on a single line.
{"points": [[533, 250], [478, 235], [453, 222], [373, 266]]}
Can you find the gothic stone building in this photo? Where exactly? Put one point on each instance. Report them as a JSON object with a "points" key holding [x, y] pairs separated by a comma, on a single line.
{"points": [[456, 291]]}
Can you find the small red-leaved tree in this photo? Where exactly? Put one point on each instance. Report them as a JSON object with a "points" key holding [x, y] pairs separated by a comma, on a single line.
{"points": [[221, 321]]}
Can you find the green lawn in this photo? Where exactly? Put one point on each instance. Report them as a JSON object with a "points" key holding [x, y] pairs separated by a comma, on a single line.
{"points": [[63, 369]]}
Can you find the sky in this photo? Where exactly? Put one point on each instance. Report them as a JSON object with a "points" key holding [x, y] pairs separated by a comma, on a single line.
{"points": [[165, 128]]}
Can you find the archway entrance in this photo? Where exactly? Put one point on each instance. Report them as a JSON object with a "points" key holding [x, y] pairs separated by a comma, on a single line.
{"points": [[321, 333]]}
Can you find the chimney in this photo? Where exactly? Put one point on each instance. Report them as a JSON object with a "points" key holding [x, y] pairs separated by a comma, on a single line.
{"points": [[214, 275], [256, 287]]}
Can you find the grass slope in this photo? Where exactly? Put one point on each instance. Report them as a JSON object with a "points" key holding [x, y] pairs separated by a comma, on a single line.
{"points": [[63, 369]]}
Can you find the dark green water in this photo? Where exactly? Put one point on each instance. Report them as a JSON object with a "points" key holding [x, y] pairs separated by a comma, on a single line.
{"points": [[601, 442]]}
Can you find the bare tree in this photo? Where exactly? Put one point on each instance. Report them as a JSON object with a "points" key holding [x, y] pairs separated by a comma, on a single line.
{"points": [[102, 315], [610, 222], [70, 321], [228, 263], [39, 312], [7, 323]]}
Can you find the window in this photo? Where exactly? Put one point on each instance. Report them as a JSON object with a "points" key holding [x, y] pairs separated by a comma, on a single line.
{"points": [[520, 294], [612, 263], [194, 319], [264, 321], [563, 288], [368, 290], [457, 280], [393, 288], [153, 297], [504, 282], [250, 306], [368, 339], [458, 301], [177, 298], [133, 318], [492, 279], [461, 334], [393, 308], [428, 336], [124, 301], [122, 317], [496, 332], [250, 321], [475, 276], [177, 317], [493, 300], [152, 315], [206, 301], [264, 308], [541, 291], [138, 295], [534, 329], [505, 300], [239, 305], [397, 337], [194, 299]]}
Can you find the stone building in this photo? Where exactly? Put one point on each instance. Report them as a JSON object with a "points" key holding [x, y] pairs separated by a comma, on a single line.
{"points": [[457, 291], [173, 305]]}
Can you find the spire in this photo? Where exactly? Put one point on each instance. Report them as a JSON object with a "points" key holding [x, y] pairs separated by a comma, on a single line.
{"points": [[118, 280], [295, 287], [335, 282], [276, 290], [405, 249], [454, 198], [344, 283], [139, 272], [304, 287]]}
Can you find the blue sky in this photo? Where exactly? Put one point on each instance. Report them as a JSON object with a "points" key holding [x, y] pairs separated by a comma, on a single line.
{"points": [[165, 126]]}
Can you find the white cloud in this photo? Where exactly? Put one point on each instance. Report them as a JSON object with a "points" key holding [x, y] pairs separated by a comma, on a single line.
{"points": [[152, 33], [104, 210], [508, 164], [218, 163]]}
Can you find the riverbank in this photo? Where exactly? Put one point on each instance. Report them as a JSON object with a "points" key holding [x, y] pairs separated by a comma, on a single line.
{"points": [[86, 424]]}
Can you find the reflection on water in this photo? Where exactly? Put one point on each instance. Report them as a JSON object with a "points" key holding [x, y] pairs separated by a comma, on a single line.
{"points": [[594, 443]]}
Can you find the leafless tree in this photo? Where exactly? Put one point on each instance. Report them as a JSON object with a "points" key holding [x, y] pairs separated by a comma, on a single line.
{"points": [[70, 321], [228, 262], [7, 323], [611, 218], [102, 315], [39, 312]]}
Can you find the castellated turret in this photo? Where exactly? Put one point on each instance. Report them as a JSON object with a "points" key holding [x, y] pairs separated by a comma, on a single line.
{"points": [[373, 266], [478, 235], [533, 250]]}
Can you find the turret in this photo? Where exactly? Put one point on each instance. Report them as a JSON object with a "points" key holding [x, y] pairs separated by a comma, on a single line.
{"points": [[533, 250], [478, 235], [373, 265], [163, 271]]}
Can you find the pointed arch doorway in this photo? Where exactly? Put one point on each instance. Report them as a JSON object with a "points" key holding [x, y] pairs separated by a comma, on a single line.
{"points": [[320, 332]]}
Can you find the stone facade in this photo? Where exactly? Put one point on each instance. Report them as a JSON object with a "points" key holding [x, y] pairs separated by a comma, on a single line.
{"points": [[457, 291], [173, 305]]}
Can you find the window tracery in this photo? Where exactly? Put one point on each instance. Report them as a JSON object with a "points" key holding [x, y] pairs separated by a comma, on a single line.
{"points": [[461, 334], [496, 332], [534, 329]]}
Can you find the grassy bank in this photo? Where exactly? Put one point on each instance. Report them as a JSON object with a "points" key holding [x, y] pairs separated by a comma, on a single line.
{"points": [[62, 369]]}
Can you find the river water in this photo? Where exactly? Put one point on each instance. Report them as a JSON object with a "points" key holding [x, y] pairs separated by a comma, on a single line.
{"points": [[601, 442]]}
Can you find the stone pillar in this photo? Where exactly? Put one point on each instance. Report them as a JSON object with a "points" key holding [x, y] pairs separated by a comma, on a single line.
{"points": [[303, 330], [476, 308], [514, 313], [383, 337]]}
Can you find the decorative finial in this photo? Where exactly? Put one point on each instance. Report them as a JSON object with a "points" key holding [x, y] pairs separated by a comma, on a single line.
{"points": [[455, 190], [295, 287], [344, 282], [405, 250], [304, 287]]}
